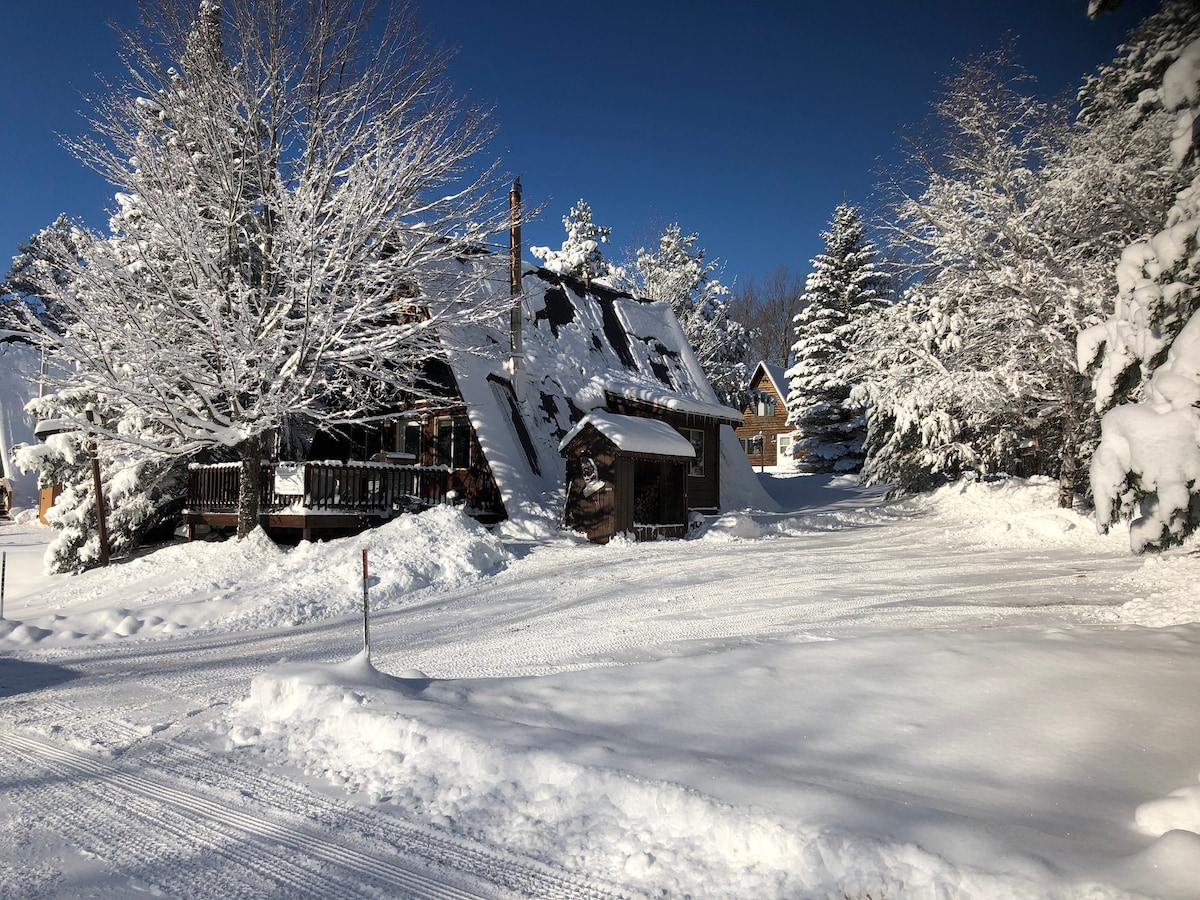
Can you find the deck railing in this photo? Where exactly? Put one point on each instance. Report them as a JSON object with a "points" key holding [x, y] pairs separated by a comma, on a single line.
{"points": [[376, 489]]}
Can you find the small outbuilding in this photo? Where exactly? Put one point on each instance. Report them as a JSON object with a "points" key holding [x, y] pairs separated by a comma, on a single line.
{"points": [[626, 475]]}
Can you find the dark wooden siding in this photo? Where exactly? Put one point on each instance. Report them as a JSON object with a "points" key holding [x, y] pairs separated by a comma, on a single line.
{"points": [[704, 491], [770, 427], [645, 495]]}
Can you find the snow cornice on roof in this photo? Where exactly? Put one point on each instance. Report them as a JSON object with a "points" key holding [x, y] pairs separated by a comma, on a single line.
{"points": [[677, 403]]}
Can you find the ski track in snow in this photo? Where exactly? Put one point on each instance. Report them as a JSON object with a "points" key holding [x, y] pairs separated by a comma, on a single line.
{"points": [[194, 825]]}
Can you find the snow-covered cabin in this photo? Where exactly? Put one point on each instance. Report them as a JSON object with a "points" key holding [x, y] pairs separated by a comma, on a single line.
{"points": [[765, 435], [572, 349]]}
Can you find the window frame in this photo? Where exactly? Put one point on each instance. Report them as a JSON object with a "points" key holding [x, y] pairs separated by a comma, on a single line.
{"points": [[697, 439], [453, 451]]}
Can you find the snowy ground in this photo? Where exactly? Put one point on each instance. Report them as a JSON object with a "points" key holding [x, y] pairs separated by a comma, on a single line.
{"points": [[964, 695]]}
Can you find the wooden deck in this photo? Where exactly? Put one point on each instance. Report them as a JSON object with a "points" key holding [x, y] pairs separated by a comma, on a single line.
{"points": [[312, 500]]}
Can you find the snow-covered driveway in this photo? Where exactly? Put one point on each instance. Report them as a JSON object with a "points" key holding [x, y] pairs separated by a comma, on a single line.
{"points": [[935, 698]]}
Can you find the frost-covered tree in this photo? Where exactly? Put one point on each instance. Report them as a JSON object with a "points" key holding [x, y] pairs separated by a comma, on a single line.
{"points": [[36, 264], [979, 367], [297, 189], [580, 255], [844, 286], [143, 489], [676, 272], [1145, 358]]}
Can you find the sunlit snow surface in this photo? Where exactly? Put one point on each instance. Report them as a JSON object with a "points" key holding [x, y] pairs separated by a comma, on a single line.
{"points": [[965, 695]]}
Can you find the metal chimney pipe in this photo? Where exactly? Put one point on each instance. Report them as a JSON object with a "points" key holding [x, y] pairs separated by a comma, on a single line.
{"points": [[514, 270], [515, 310]]}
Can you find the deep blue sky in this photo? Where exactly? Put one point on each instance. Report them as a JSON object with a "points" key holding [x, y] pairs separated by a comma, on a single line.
{"points": [[747, 121]]}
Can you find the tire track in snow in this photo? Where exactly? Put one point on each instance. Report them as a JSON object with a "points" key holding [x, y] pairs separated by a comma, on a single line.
{"points": [[209, 845]]}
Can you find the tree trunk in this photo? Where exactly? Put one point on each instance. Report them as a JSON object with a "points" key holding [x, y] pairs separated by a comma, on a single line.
{"points": [[249, 486], [1068, 474]]}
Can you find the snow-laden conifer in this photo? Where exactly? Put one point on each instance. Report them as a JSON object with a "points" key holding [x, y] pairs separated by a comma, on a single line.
{"points": [[580, 255], [297, 190], [143, 489], [1146, 111], [1145, 357], [845, 285], [676, 272], [37, 264]]}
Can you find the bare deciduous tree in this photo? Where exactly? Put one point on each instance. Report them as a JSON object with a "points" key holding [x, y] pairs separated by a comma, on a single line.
{"points": [[299, 203], [768, 309]]}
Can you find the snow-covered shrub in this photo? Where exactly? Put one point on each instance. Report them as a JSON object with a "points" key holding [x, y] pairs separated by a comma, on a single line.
{"points": [[144, 490]]}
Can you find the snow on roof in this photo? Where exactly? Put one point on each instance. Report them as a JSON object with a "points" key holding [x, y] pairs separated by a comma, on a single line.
{"points": [[581, 344], [635, 434], [776, 375], [673, 402]]}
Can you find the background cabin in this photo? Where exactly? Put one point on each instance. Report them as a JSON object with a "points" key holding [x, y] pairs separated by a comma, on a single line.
{"points": [[766, 416]]}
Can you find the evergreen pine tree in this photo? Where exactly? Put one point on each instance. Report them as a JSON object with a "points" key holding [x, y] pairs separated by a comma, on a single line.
{"points": [[1145, 358], [844, 286], [1128, 97], [580, 255], [36, 265], [677, 273]]}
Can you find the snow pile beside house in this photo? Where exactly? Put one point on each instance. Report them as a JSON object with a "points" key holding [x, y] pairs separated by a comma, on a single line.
{"points": [[255, 583]]}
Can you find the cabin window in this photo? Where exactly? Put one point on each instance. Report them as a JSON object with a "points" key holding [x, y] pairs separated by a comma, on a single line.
{"points": [[410, 439], [752, 446], [405, 439], [454, 442], [696, 436], [766, 405]]}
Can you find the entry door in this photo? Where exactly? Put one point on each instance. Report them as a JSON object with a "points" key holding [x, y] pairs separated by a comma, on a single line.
{"points": [[783, 448]]}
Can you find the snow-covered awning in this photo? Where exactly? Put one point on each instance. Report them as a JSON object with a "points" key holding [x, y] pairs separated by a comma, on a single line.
{"points": [[633, 434]]}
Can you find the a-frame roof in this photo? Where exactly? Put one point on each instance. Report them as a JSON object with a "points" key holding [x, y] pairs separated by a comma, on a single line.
{"points": [[581, 345], [774, 373]]}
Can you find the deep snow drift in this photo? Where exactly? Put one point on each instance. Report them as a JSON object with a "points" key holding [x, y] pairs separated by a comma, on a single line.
{"points": [[965, 695]]}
